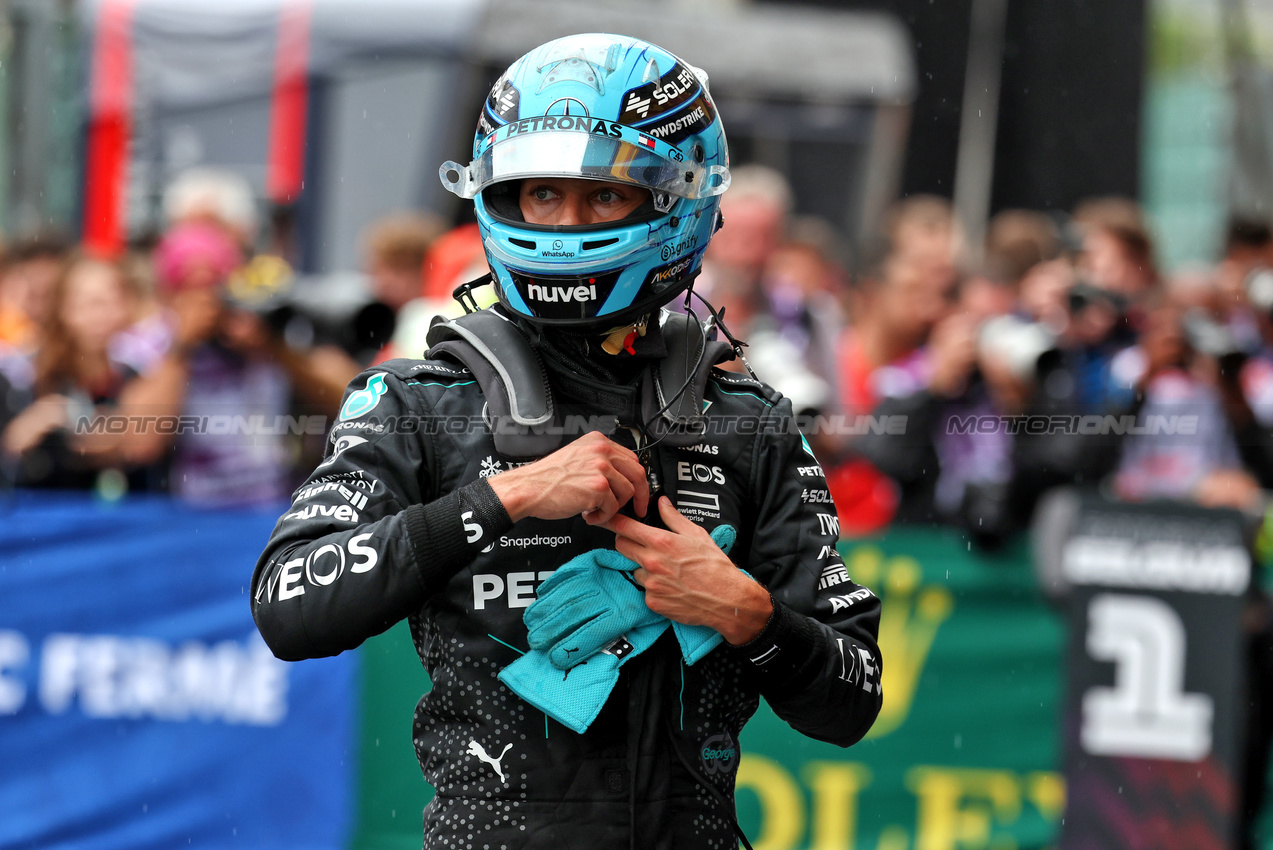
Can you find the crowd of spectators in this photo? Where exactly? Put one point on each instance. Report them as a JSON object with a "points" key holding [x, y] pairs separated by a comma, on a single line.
{"points": [[941, 382], [193, 364], [956, 384]]}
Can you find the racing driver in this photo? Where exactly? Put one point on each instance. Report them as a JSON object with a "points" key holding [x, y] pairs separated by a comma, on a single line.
{"points": [[607, 548]]}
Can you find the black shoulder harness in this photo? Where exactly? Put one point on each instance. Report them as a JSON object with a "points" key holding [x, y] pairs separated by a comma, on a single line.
{"points": [[520, 411]]}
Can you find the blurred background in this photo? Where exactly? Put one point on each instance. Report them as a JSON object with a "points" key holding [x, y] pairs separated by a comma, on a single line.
{"points": [[1012, 261]]}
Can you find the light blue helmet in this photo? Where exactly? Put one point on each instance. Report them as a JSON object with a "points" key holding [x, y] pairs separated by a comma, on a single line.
{"points": [[601, 107]]}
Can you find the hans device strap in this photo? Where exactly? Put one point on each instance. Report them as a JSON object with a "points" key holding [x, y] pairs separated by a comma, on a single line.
{"points": [[672, 388], [510, 374], [519, 400]]}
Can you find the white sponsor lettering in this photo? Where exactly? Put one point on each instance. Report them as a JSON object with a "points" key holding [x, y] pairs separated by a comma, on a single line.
{"points": [[359, 549], [355, 498], [373, 426], [520, 591], [686, 471], [829, 523], [537, 540], [336, 564], [552, 294], [321, 567], [678, 85], [346, 442], [814, 471], [112, 676], [486, 587], [489, 587], [846, 601], [473, 531], [857, 667], [832, 575], [434, 367], [1158, 564], [289, 579], [736, 379], [698, 506], [704, 448], [679, 124], [342, 513]]}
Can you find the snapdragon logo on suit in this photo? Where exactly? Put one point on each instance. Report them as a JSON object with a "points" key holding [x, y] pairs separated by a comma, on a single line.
{"points": [[365, 400]]}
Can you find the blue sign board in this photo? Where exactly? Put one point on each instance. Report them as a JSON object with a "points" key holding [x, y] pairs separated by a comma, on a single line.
{"points": [[138, 706]]}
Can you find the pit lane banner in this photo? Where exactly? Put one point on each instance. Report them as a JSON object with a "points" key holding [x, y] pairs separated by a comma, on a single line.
{"points": [[1155, 682], [139, 707]]}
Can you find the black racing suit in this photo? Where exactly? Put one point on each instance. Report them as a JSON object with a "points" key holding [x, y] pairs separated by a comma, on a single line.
{"points": [[398, 521]]}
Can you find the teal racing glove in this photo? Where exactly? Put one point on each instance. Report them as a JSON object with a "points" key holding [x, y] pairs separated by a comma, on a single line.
{"points": [[587, 603], [697, 641], [575, 697], [572, 622], [593, 599]]}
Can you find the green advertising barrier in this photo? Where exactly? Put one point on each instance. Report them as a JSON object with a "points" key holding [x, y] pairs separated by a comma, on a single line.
{"points": [[391, 792], [964, 755]]}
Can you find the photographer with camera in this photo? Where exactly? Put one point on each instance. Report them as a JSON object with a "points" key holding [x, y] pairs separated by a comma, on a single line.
{"points": [[968, 456], [226, 365], [1241, 343]]}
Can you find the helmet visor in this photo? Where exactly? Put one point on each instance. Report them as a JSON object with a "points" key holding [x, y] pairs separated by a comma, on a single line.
{"points": [[626, 157]]}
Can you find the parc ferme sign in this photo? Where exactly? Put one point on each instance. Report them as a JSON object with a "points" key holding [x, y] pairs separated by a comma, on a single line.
{"points": [[138, 705], [1153, 702]]}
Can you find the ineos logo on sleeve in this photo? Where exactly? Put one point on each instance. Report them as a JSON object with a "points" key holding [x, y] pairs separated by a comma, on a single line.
{"points": [[324, 579], [289, 580]]}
